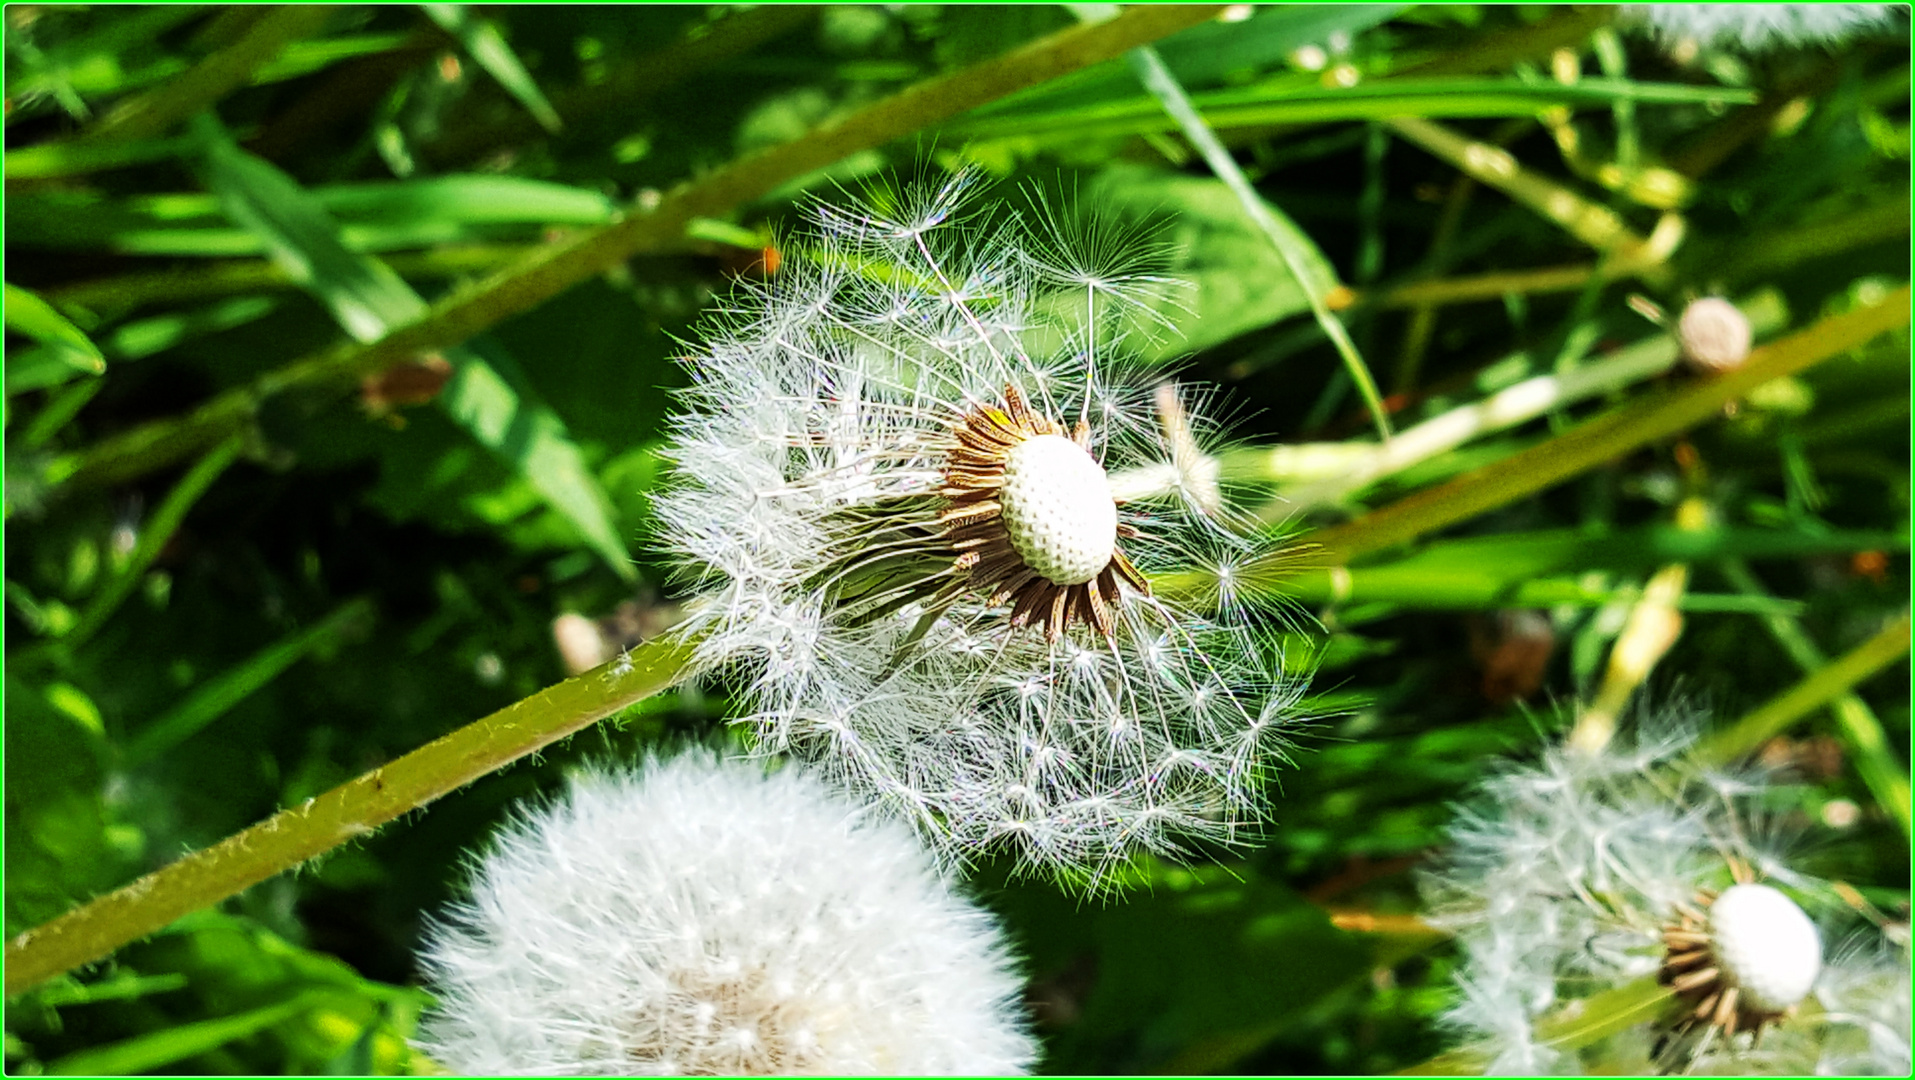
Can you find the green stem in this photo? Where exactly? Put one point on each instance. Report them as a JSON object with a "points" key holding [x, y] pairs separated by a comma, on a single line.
{"points": [[1825, 685], [347, 812], [1887, 779], [1651, 417], [551, 271]]}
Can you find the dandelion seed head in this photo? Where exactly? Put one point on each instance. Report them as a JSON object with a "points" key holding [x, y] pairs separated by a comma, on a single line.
{"points": [[1759, 27], [701, 918], [1584, 872], [915, 480]]}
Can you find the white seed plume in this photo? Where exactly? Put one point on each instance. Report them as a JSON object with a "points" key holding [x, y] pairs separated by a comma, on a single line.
{"points": [[1714, 334], [701, 918], [1587, 872], [909, 477], [1759, 27]]}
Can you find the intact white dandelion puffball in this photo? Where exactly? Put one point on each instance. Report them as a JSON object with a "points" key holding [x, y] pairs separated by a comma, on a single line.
{"points": [[1766, 945], [927, 495], [699, 917]]}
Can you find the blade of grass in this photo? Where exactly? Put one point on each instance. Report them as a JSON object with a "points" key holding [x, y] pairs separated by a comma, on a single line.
{"points": [[550, 271], [144, 1053], [1283, 233], [1826, 684], [154, 112], [1886, 778], [34, 369], [484, 43], [153, 537], [129, 291], [347, 812], [224, 691], [64, 343], [368, 299]]}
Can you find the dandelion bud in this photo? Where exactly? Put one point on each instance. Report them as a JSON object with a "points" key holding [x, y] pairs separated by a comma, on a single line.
{"points": [[929, 498], [1714, 335], [701, 918], [1631, 866]]}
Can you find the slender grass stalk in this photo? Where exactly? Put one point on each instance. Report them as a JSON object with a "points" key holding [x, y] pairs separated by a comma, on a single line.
{"points": [[1157, 78], [154, 112], [227, 277], [1593, 224], [1654, 416], [1825, 685], [159, 529], [1572, 1026], [648, 228], [1887, 779], [347, 812]]}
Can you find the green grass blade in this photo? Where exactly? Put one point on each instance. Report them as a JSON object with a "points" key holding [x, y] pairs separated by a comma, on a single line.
{"points": [[64, 343], [1290, 241], [369, 300], [485, 44], [39, 368], [146, 1053], [224, 691], [492, 400]]}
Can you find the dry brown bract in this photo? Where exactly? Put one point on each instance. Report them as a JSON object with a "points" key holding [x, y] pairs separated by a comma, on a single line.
{"points": [[974, 478]]}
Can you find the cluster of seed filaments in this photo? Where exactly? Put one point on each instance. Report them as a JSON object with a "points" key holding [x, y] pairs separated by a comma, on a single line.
{"points": [[1032, 519]]}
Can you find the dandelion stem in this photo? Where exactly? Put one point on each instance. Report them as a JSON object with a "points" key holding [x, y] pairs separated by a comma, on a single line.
{"points": [[351, 810], [1827, 684]]}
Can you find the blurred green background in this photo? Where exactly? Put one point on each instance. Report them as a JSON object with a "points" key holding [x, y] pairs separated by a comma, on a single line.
{"points": [[212, 615]]}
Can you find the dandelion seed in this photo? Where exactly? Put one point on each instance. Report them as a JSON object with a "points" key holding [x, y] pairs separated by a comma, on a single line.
{"points": [[701, 918], [928, 498], [1588, 872]]}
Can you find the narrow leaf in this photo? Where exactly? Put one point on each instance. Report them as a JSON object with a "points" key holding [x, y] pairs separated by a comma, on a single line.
{"points": [[26, 313], [483, 41]]}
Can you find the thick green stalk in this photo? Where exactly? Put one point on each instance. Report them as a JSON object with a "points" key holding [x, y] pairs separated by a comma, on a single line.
{"points": [[1825, 685], [551, 271], [347, 812]]}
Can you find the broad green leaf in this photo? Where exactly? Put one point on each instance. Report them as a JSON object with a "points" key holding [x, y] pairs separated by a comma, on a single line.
{"points": [[483, 41], [63, 342], [486, 395]]}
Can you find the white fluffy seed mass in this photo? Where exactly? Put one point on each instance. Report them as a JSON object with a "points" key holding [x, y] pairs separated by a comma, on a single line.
{"points": [[811, 475], [1058, 509], [1759, 27], [1765, 944], [701, 918], [1560, 880]]}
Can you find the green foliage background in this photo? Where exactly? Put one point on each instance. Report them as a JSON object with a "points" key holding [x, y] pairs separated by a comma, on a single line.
{"points": [[260, 604]]}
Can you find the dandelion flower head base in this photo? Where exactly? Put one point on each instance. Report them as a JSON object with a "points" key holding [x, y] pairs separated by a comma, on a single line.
{"points": [[1032, 516], [1742, 959]]}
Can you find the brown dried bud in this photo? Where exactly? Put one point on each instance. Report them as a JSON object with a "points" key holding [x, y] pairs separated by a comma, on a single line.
{"points": [[1715, 336]]}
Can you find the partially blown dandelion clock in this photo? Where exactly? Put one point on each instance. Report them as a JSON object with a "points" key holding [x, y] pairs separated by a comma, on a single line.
{"points": [[928, 488]]}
